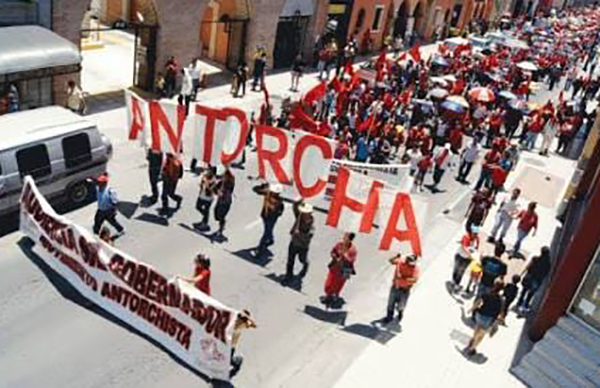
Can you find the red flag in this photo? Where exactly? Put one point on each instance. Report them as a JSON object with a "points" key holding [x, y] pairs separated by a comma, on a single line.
{"points": [[402, 56], [367, 124], [415, 53], [316, 93], [349, 69], [300, 119], [406, 95], [266, 92]]}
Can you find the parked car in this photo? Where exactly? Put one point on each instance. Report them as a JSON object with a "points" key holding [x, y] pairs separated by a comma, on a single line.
{"points": [[57, 147]]}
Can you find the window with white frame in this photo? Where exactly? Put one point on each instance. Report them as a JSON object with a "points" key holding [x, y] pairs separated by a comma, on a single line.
{"points": [[377, 18]]}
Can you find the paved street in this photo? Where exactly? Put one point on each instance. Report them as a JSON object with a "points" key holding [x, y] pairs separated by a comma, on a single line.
{"points": [[44, 329]]}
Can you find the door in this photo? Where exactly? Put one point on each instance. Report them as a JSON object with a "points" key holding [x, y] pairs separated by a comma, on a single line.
{"points": [[145, 57], [289, 40]]}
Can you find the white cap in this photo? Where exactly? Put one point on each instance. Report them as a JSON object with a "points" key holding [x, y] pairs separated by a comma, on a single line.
{"points": [[275, 188], [305, 208]]}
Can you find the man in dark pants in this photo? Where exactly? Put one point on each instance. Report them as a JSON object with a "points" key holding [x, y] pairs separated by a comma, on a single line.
{"points": [[406, 274], [272, 209], [171, 173], [107, 206], [155, 159], [302, 233]]}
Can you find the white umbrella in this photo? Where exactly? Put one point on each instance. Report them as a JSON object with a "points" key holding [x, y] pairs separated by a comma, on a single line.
{"points": [[528, 66], [449, 78], [439, 80]]}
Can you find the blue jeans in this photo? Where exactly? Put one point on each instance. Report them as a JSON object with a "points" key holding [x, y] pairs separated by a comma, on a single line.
{"points": [[521, 234], [267, 238], [531, 140], [530, 287]]}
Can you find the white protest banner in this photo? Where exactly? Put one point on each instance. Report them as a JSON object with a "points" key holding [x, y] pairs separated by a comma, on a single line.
{"points": [[188, 323], [138, 118], [396, 175], [295, 158]]}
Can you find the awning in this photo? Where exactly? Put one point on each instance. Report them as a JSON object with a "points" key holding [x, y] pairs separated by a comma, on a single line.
{"points": [[297, 8], [29, 48]]}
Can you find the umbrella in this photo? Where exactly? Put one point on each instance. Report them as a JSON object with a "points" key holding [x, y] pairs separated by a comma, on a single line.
{"points": [[528, 66], [438, 93], [424, 103], [507, 95], [440, 61], [518, 104], [458, 41], [482, 95], [460, 100], [453, 107], [439, 80], [449, 78]]}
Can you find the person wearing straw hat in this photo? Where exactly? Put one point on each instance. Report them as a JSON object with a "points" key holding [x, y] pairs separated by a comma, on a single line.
{"points": [[271, 211], [302, 233]]}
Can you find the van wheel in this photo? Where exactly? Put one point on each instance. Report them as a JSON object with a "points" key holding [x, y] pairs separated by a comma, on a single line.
{"points": [[79, 192]]}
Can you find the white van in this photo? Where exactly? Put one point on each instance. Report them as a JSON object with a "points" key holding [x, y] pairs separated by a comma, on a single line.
{"points": [[58, 148]]}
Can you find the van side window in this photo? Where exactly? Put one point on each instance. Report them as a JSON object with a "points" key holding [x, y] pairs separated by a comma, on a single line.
{"points": [[34, 161], [76, 150]]}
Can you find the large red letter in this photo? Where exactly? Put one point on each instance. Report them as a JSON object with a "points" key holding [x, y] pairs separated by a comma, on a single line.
{"points": [[158, 120], [136, 126], [244, 130], [402, 206], [273, 157], [212, 115], [340, 199], [305, 142]]}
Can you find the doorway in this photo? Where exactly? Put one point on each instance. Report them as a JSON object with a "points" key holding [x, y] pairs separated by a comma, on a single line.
{"points": [[401, 21], [289, 40], [118, 54]]}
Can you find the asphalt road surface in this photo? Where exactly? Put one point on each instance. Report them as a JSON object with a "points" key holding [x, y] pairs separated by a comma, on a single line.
{"points": [[48, 339]]}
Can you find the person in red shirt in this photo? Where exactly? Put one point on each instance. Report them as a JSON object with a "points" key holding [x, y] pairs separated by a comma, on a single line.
{"points": [[495, 122], [406, 274], [499, 175], [469, 245], [535, 128], [423, 166], [201, 279], [491, 158], [528, 221], [456, 140], [341, 267]]}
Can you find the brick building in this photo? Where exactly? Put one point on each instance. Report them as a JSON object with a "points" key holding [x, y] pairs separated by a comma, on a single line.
{"points": [[224, 31]]}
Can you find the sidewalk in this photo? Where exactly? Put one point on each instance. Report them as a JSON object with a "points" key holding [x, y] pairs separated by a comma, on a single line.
{"points": [[427, 351]]}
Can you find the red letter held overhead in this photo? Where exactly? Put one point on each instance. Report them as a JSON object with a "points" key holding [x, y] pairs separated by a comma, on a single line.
{"points": [[244, 131], [340, 200], [212, 115], [402, 206], [304, 143], [273, 157], [159, 121], [137, 122]]}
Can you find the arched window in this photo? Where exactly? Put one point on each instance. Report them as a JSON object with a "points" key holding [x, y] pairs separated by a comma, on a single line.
{"points": [[360, 19]]}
